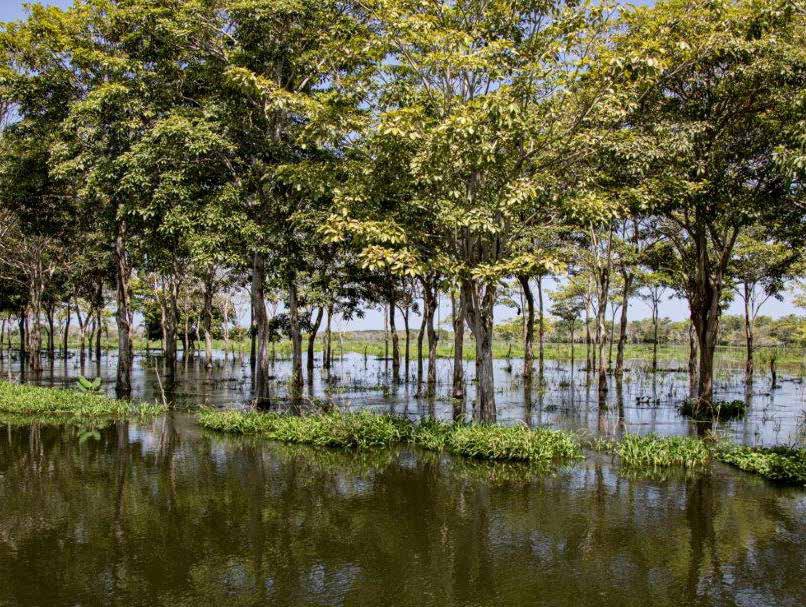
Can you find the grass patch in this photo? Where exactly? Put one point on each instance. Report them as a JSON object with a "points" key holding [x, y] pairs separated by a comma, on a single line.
{"points": [[57, 403], [365, 430], [782, 464], [652, 451], [723, 409]]}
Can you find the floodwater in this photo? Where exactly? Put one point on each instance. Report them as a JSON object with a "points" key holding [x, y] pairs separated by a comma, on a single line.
{"points": [[165, 513], [567, 398]]}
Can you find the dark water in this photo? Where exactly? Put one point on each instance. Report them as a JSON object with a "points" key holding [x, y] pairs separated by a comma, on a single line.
{"points": [[567, 398], [166, 514]]}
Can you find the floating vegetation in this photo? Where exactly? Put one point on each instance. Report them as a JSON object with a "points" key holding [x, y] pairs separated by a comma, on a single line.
{"points": [[364, 430], [654, 451], [722, 409], [783, 464], [53, 403]]}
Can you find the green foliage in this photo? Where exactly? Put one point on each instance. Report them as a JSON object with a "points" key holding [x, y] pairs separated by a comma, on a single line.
{"points": [[652, 451], [50, 402], [779, 463], [721, 409], [86, 385], [516, 443]]}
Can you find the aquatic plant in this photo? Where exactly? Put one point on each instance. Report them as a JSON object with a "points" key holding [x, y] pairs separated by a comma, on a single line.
{"points": [[776, 463], [516, 443], [24, 400], [724, 409], [655, 451], [88, 385]]}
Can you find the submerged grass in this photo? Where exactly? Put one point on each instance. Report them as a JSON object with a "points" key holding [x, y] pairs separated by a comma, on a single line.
{"points": [[56, 403]]}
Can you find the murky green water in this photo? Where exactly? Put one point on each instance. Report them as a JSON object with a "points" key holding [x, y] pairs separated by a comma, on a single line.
{"points": [[166, 514]]}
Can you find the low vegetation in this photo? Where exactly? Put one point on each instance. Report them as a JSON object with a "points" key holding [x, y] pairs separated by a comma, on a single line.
{"points": [[778, 463], [24, 400], [721, 409], [655, 451]]}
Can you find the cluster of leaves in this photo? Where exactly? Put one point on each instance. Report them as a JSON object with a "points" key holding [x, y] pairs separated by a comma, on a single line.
{"points": [[722, 409], [652, 451]]}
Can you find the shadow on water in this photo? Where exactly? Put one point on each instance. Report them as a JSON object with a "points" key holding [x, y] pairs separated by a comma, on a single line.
{"points": [[165, 513], [559, 395]]}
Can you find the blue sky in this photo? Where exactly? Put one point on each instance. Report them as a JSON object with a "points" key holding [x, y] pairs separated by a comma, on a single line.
{"points": [[674, 308]]}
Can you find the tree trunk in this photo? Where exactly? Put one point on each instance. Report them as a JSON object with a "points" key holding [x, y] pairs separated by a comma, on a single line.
{"points": [[395, 339], [622, 334], [458, 348], [320, 311], [654, 337], [748, 333], [170, 312], [207, 318], [261, 323], [541, 325], [23, 337], [123, 385], [433, 338], [327, 361], [66, 335], [297, 380], [51, 332], [529, 326], [479, 301], [420, 336], [407, 355]]}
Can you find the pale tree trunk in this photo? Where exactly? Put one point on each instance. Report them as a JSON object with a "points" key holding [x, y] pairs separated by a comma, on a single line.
{"points": [[541, 326], [748, 332], [123, 385], [36, 291], [395, 340], [458, 347], [529, 326], [407, 346], [420, 337], [479, 300], [23, 337], [51, 332], [654, 336], [99, 310]]}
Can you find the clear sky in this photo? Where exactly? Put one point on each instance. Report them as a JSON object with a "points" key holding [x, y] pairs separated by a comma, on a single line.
{"points": [[673, 308]]}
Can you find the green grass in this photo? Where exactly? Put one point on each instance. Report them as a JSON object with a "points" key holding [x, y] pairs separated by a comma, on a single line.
{"points": [[366, 430], [722, 409], [51, 403], [652, 451], [778, 463]]}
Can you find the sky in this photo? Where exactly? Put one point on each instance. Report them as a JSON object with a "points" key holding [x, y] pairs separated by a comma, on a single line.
{"points": [[675, 309]]}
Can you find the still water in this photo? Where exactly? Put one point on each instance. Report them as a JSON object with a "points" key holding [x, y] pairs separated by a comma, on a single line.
{"points": [[567, 397], [167, 514]]}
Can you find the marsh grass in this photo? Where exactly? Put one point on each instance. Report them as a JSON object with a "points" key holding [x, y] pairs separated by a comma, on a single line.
{"points": [[55, 403], [720, 409], [652, 451], [365, 430], [782, 464]]}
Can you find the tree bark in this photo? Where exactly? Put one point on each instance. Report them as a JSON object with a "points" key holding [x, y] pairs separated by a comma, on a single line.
{"points": [[395, 339], [261, 323], [420, 337], [317, 322], [297, 380], [407, 346], [748, 333], [479, 303], [66, 335], [622, 334], [541, 326], [207, 318], [458, 391], [51, 332], [433, 338], [123, 385], [327, 362], [529, 326]]}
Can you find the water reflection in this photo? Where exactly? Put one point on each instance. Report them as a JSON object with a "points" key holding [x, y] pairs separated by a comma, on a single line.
{"points": [[561, 395], [167, 514]]}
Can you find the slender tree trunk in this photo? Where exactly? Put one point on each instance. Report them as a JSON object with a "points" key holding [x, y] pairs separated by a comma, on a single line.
{"points": [[748, 333], [458, 347], [2, 336], [420, 337], [479, 301], [622, 334], [529, 326], [328, 354], [395, 339], [588, 349], [407, 345], [51, 332], [123, 385], [692, 357], [433, 339], [207, 318], [66, 334], [170, 312], [317, 322], [297, 380], [261, 323], [655, 336], [572, 346], [541, 326], [23, 337]]}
